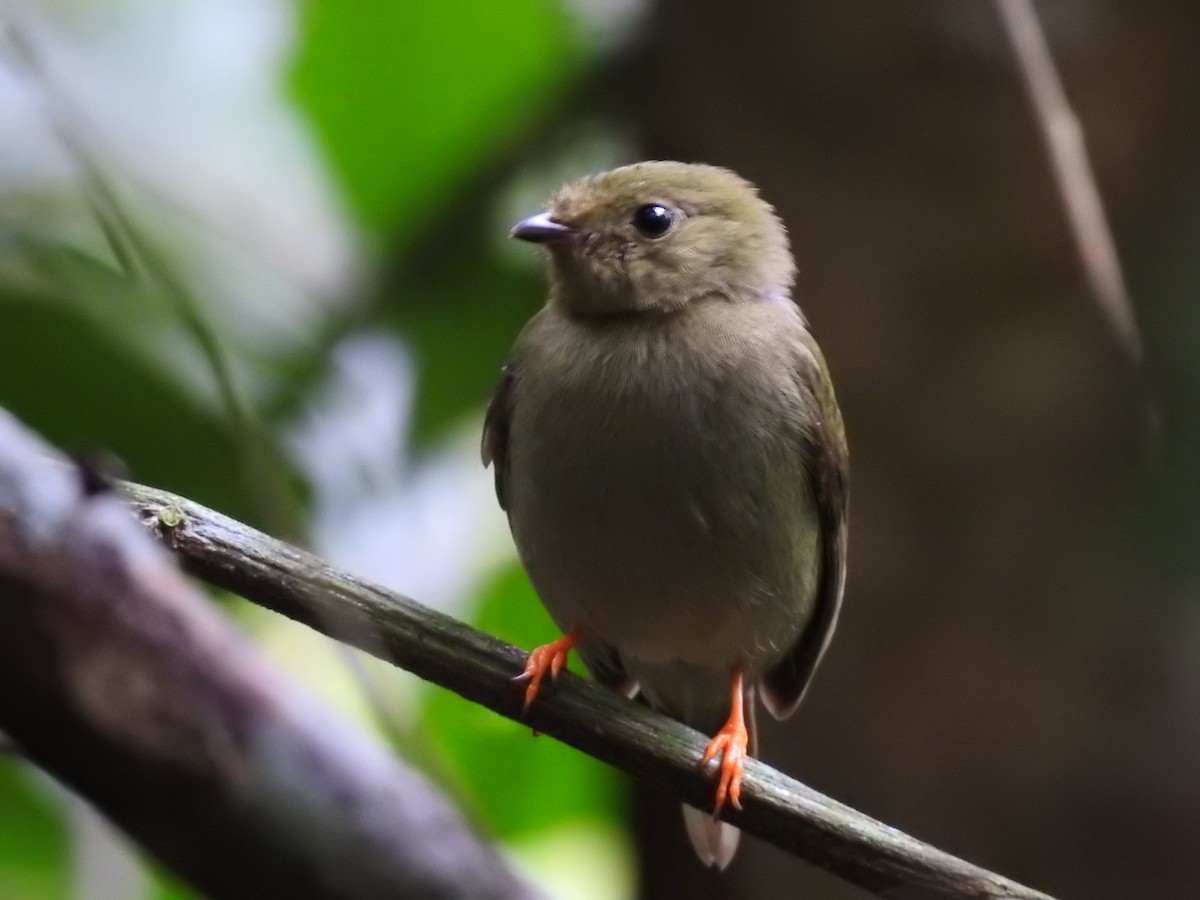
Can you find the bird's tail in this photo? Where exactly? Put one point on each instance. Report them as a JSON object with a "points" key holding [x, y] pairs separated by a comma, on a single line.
{"points": [[714, 841]]}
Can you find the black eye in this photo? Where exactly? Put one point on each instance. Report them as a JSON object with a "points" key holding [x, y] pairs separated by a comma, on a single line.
{"points": [[653, 220]]}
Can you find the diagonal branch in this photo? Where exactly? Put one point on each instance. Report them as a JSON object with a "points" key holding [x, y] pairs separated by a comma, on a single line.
{"points": [[601, 723]]}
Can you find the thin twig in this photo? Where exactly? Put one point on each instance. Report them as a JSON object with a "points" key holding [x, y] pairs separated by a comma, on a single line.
{"points": [[1072, 169], [599, 722]]}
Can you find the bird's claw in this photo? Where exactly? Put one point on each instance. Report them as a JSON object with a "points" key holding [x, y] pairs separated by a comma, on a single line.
{"points": [[731, 744], [550, 658]]}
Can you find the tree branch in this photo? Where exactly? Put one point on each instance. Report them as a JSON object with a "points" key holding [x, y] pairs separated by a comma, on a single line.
{"points": [[601, 723], [124, 682]]}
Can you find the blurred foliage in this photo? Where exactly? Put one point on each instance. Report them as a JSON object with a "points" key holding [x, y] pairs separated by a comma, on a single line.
{"points": [[517, 784], [477, 310], [115, 335], [408, 98], [104, 396], [34, 857]]}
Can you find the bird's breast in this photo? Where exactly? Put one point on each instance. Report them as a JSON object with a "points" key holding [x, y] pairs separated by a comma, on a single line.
{"points": [[659, 496]]}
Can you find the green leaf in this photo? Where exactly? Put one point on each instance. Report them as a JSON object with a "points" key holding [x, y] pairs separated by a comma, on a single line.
{"points": [[406, 97]]}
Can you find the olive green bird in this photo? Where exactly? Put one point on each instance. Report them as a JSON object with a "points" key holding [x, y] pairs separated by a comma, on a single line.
{"points": [[671, 457]]}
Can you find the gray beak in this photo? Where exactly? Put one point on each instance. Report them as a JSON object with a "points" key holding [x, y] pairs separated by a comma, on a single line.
{"points": [[541, 229]]}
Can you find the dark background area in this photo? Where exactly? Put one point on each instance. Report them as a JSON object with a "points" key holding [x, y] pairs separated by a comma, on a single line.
{"points": [[1014, 673]]}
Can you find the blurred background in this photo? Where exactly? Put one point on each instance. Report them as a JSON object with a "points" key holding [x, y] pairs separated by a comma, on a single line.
{"points": [[257, 250]]}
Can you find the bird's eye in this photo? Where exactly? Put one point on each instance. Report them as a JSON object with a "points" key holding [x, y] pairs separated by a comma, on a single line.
{"points": [[653, 220]]}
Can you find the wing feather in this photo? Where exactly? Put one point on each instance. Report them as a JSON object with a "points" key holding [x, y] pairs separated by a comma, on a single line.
{"points": [[494, 447], [827, 462]]}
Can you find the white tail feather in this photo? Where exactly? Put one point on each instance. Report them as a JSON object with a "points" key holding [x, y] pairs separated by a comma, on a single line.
{"points": [[714, 841]]}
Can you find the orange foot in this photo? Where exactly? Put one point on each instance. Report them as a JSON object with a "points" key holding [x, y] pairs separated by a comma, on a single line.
{"points": [[731, 743], [548, 657]]}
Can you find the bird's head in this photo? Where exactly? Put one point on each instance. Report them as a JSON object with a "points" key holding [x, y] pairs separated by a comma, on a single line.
{"points": [[654, 237]]}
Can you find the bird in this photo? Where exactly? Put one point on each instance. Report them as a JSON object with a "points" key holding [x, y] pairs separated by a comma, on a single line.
{"points": [[669, 451]]}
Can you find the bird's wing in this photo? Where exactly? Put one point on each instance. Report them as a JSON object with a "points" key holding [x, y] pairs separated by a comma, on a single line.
{"points": [[827, 462], [494, 447]]}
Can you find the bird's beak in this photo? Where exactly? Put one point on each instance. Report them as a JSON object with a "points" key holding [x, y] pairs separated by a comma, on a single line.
{"points": [[543, 229]]}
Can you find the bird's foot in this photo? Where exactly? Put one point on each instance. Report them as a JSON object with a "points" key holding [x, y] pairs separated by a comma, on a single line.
{"points": [[550, 658], [731, 744]]}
